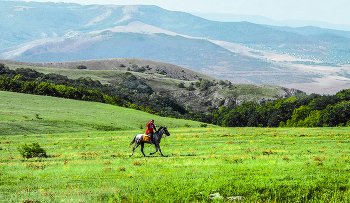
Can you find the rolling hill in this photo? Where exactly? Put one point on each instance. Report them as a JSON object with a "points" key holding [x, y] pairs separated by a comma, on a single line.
{"points": [[193, 90], [310, 59], [34, 114]]}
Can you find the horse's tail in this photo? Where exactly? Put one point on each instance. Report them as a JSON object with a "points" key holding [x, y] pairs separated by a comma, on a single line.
{"points": [[132, 142]]}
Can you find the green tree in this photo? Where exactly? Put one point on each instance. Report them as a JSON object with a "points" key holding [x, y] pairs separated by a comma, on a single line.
{"points": [[337, 114], [298, 117]]}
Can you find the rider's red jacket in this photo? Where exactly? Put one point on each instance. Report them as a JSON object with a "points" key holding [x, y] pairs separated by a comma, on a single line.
{"points": [[150, 128]]}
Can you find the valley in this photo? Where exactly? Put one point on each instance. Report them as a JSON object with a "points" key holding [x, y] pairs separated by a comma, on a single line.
{"points": [[239, 52], [255, 112], [86, 144], [198, 93]]}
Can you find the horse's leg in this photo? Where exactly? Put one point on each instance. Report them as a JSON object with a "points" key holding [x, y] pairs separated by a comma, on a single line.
{"points": [[160, 151], [142, 145], [133, 149], [157, 147]]}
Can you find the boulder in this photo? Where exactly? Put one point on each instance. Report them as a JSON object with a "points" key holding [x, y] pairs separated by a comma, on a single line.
{"points": [[236, 198], [216, 196]]}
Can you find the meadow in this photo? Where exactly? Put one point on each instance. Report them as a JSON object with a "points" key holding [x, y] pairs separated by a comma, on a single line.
{"points": [[88, 160]]}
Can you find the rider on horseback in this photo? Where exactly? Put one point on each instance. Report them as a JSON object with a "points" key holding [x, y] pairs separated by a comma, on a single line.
{"points": [[150, 130]]}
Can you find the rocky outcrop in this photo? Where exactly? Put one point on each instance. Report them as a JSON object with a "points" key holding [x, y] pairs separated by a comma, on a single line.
{"points": [[289, 92]]}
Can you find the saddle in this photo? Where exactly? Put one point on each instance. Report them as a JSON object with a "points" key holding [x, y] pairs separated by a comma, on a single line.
{"points": [[146, 138]]}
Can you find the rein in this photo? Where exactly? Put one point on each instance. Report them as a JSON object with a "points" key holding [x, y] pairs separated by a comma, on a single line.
{"points": [[159, 131]]}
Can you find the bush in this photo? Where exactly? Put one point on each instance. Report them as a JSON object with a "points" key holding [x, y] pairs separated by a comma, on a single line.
{"points": [[140, 69], [187, 125], [190, 88], [81, 67], [181, 85], [33, 150], [203, 125]]}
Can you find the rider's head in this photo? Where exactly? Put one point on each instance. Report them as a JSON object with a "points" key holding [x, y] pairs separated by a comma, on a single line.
{"points": [[152, 121]]}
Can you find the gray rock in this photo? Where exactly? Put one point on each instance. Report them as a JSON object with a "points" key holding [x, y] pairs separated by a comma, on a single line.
{"points": [[216, 196], [236, 198]]}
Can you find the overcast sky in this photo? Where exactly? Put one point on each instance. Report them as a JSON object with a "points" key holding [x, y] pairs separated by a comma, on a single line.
{"points": [[332, 11]]}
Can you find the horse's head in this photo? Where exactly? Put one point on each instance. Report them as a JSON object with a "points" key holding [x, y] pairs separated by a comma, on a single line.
{"points": [[164, 130]]}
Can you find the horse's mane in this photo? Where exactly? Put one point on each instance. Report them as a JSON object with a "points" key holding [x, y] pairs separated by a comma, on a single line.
{"points": [[160, 129]]}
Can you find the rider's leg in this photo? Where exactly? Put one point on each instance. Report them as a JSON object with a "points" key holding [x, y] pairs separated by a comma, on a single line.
{"points": [[151, 138]]}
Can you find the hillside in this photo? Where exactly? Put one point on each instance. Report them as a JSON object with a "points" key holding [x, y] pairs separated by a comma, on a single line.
{"points": [[204, 102], [93, 165], [194, 91], [123, 64], [33, 114], [313, 60]]}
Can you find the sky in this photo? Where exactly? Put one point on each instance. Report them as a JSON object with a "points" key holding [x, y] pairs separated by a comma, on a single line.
{"points": [[331, 11]]}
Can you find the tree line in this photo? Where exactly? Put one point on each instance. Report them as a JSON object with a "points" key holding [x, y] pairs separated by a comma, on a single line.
{"points": [[298, 111], [312, 110], [130, 94]]}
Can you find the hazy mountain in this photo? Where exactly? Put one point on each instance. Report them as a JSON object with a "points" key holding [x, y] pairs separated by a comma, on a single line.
{"points": [[311, 59], [226, 17]]}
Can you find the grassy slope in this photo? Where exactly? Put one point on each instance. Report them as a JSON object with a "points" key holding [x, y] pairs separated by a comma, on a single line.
{"points": [[172, 71], [56, 115], [86, 164]]}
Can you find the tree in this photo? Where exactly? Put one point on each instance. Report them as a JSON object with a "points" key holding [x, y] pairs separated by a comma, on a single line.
{"points": [[298, 117], [337, 114]]}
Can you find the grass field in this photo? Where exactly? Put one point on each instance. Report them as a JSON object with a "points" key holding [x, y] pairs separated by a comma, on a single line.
{"points": [[24, 113], [93, 165]]}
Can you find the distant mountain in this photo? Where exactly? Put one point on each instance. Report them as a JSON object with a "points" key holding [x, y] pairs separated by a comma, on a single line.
{"points": [[226, 17], [311, 59]]}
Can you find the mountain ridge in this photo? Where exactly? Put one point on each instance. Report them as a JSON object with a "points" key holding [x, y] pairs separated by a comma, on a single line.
{"points": [[257, 19], [241, 52]]}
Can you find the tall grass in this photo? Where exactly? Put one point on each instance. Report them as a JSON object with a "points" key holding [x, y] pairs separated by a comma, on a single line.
{"points": [[261, 164]]}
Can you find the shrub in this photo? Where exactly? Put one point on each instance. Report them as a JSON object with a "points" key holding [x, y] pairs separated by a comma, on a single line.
{"points": [[33, 150], [190, 88], [134, 66], [81, 67], [187, 125], [181, 85], [140, 69], [203, 125]]}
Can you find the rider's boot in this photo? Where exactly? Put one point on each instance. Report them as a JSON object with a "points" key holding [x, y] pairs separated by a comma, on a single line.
{"points": [[150, 138]]}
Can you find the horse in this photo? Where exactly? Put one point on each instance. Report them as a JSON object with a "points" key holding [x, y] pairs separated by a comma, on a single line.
{"points": [[157, 137]]}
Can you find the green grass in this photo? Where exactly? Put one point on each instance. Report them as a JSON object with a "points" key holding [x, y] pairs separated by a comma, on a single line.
{"points": [[24, 113], [262, 164], [105, 76], [91, 165]]}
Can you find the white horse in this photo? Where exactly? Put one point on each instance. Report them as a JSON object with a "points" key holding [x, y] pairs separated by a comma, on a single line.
{"points": [[157, 136]]}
